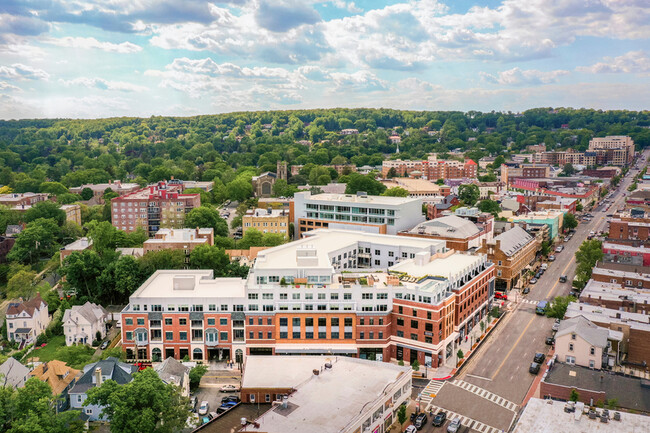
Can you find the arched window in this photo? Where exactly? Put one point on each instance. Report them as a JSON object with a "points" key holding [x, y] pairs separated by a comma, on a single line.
{"points": [[197, 354], [239, 355], [156, 355]]}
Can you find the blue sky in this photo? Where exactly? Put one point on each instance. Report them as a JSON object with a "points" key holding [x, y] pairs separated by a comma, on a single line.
{"points": [[101, 58]]}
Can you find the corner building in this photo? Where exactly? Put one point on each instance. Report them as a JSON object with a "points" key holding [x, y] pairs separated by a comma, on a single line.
{"points": [[334, 292]]}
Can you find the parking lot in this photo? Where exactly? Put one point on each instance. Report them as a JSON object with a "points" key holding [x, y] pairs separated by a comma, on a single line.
{"points": [[210, 388]]}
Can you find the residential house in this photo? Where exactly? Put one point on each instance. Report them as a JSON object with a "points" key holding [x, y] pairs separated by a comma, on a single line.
{"points": [[94, 375], [580, 342], [13, 373], [512, 252], [60, 377], [79, 245], [173, 372], [81, 323], [26, 320]]}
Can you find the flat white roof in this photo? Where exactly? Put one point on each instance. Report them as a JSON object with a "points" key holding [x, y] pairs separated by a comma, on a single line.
{"points": [[190, 283], [323, 241], [78, 245], [548, 416], [599, 314], [324, 403], [361, 199], [620, 273], [180, 235], [613, 291], [448, 267]]}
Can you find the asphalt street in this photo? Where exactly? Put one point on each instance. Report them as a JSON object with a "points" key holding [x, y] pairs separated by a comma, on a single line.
{"points": [[497, 377]]}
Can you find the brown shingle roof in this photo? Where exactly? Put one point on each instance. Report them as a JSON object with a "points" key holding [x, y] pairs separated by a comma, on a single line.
{"points": [[56, 373], [29, 306]]}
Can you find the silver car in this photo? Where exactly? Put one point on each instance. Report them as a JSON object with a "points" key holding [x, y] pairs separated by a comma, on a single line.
{"points": [[454, 426]]}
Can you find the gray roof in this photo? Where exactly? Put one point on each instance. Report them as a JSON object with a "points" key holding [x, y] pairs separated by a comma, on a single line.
{"points": [[591, 333], [89, 311], [111, 368], [451, 226], [172, 371], [13, 373], [513, 240]]}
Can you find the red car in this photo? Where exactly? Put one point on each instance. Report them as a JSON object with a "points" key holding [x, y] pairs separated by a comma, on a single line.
{"points": [[500, 295]]}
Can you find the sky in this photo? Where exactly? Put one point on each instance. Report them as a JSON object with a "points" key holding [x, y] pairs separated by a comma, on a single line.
{"points": [[104, 58]]}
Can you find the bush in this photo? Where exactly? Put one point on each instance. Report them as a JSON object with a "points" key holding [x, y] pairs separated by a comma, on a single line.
{"points": [[41, 339], [415, 365], [401, 363]]}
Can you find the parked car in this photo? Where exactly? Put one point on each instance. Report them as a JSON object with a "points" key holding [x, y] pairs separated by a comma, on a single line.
{"points": [[229, 404], [534, 368], [551, 258], [228, 398], [539, 357], [229, 388], [559, 249], [526, 291], [439, 419], [550, 340], [454, 426], [538, 275], [411, 429], [104, 345], [203, 409], [533, 280], [563, 279], [500, 295], [420, 421], [193, 402], [556, 325]]}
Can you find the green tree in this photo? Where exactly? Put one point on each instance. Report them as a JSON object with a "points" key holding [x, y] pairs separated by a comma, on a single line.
{"points": [[87, 193], [240, 189], [498, 161], [469, 194], [37, 240], [574, 396], [570, 221], [586, 257], [489, 206], [558, 306], [395, 192], [252, 238], [357, 182], [163, 259], [45, 209], [401, 415], [21, 284], [460, 354], [54, 188], [568, 169], [391, 173], [207, 217], [196, 373], [283, 189], [82, 270], [440, 182], [209, 257], [545, 248], [146, 404]]}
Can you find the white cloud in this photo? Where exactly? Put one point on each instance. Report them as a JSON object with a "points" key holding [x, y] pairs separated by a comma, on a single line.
{"points": [[18, 71], [349, 6], [633, 62], [358, 81], [102, 84], [92, 43], [520, 77], [4, 86]]}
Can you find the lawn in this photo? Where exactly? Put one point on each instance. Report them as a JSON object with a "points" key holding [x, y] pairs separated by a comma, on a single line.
{"points": [[47, 353]]}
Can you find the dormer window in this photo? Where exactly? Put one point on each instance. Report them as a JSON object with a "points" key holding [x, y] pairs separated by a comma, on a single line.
{"points": [[573, 336]]}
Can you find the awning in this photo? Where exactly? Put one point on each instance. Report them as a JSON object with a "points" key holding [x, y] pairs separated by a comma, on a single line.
{"points": [[311, 350], [23, 331]]}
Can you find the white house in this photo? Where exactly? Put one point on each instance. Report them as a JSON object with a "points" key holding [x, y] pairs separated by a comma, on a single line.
{"points": [[581, 342], [82, 322], [174, 372], [26, 320]]}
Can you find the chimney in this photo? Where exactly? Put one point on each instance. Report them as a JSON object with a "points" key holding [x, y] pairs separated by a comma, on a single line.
{"points": [[98, 376]]}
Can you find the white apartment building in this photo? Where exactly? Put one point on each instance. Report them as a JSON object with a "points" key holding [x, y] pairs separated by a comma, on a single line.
{"points": [[82, 322], [360, 212]]}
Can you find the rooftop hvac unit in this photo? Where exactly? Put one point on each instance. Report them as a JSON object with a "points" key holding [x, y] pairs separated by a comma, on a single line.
{"points": [[617, 416]]}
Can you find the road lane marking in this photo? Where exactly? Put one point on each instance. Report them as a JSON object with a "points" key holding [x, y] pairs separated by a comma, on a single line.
{"points": [[563, 273], [478, 377], [513, 348]]}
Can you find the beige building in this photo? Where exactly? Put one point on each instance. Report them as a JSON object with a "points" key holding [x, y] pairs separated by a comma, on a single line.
{"points": [[26, 320], [580, 342], [72, 212], [267, 221], [81, 323], [179, 239], [418, 187], [620, 146]]}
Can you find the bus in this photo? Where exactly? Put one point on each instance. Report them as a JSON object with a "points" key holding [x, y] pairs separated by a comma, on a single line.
{"points": [[541, 307]]}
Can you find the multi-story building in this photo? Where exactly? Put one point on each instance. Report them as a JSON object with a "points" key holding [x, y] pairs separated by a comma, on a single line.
{"points": [[267, 221], [375, 214], [626, 254], [459, 233], [333, 292], [612, 295], [72, 213], [624, 275], [619, 149], [152, 208], [206, 186], [513, 171], [179, 239], [431, 169], [99, 189], [580, 342], [625, 227], [21, 201], [418, 187], [82, 324], [26, 320], [554, 219], [325, 394], [511, 251]]}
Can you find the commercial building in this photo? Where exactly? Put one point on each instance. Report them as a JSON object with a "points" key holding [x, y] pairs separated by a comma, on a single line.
{"points": [[626, 254], [513, 251], [513, 171], [325, 394], [430, 169], [634, 326], [152, 208], [374, 214], [99, 189], [206, 186], [618, 149], [625, 227], [612, 295], [625, 275], [333, 292], [267, 221], [551, 218], [545, 416], [459, 233], [418, 187], [179, 239], [21, 201], [580, 342]]}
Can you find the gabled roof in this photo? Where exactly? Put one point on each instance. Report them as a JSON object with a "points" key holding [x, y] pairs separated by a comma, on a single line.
{"points": [[111, 368], [89, 311], [56, 373], [591, 333], [513, 240], [13, 373], [172, 371], [451, 226], [28, 306]]}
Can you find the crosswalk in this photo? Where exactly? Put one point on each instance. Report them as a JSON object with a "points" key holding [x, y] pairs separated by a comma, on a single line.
{"points": [[529, 301], [431, 390], [484, 393], [469, 422]]}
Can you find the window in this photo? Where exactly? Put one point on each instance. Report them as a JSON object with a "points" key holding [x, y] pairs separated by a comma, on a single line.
{"points": [[212, 307], [592, 351], [129, 335], [223, 322], [573, 336], [570, 359], [366, 296], [377, 263], [169, 335], [197, 335], [182, 321], [252, 296], [182, 336], [414, 337], [168, 321], [156, 308], [571, 347], [400, 333], [211, 321], [197, 323], [223, 336], [347, 296], [592, 364], [414, 324], [197, 307], [224, 307]]}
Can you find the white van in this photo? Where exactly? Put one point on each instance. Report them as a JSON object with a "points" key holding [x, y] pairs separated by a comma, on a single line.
{"points": [[544, 266]]}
